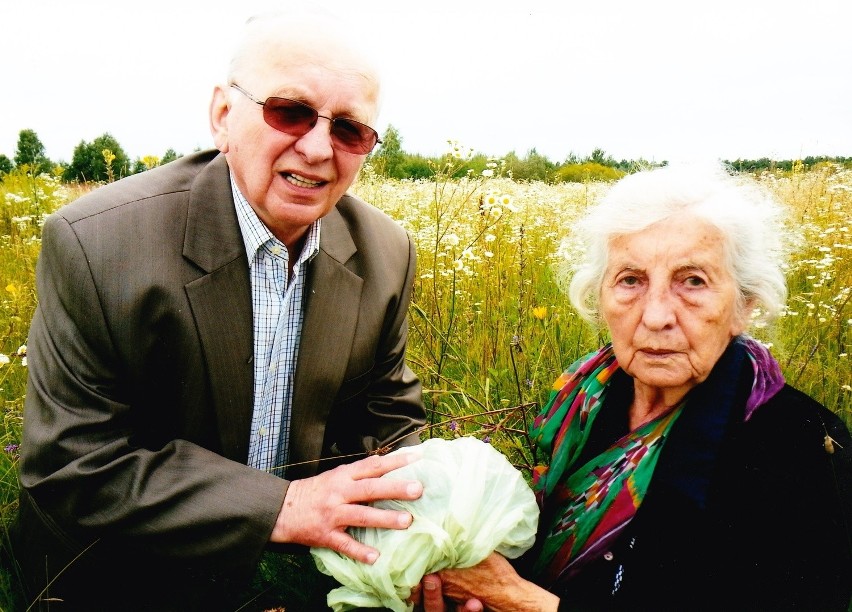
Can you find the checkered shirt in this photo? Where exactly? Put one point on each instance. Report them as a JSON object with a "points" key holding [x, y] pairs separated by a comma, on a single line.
{"points": [[278, 312]]}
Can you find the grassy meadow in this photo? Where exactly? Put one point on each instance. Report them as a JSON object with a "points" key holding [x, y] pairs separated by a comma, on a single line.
{"points": [[490, 328]]}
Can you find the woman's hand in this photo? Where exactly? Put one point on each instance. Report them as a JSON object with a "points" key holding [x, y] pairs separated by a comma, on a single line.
{"points": [[427, 596], [494, 584]]}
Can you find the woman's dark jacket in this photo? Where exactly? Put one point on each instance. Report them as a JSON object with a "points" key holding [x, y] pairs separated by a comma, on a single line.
{"points": [[739, 515]]}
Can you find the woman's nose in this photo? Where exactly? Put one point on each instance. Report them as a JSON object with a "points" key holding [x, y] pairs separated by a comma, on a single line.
{"points": [[658, 309]]}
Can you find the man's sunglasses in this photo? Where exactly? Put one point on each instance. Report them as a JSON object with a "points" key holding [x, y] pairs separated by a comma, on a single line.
{"points": [[297, 119]]}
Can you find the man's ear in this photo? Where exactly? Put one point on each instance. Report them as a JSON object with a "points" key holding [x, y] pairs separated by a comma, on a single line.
{"points": [[220, 107]]}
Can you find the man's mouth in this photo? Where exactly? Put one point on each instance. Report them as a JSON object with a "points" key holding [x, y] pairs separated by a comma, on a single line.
{"points": [[301, 181]]}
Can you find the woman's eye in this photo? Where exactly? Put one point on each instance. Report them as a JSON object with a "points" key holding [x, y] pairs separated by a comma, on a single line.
{"points": [[630, 281], [695, 281]]}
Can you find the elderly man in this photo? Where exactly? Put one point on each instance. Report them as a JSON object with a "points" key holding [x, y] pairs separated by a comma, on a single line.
{"points": [[211, 338]]}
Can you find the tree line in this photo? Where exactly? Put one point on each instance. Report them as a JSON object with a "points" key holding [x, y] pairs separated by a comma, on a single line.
{"points": [[101, 160], [104, 160]]}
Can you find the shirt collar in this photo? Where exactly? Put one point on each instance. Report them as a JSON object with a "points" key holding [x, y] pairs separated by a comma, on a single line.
{"points": [[256, 234]]}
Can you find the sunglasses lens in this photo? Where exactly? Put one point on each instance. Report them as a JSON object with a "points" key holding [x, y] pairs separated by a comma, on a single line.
{"points": [[297, 119], [289, 116], [352, 136]]}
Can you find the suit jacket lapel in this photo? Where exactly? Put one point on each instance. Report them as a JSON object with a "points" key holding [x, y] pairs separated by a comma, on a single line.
{"points": [[221, 304], [333, 294]]}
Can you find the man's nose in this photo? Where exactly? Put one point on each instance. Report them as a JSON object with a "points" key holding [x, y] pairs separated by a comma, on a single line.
{"points": [[316, 144]]}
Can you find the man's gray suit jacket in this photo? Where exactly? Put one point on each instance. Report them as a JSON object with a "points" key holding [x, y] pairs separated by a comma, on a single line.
{"points": [[139, 402]]}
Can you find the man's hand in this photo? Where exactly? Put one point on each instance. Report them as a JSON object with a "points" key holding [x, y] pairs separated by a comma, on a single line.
{"points": [[318, 510]]}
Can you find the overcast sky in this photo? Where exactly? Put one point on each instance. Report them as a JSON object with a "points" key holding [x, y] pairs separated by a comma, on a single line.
{"points": [[652, 79]]}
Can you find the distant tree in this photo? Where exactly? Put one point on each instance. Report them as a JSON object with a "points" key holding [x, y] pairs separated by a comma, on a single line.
{"points": [[532, 167], [138, 165], [141, 164], [477, 163], [89, 162], [388, 159], [417, 167], [169, 156], [86, 164], [6, 165], [30, 152], [599, 156]]}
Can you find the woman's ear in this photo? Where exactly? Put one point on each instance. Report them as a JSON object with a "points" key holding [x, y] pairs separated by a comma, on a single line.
{"points": [[220, 106], [743, 321]]}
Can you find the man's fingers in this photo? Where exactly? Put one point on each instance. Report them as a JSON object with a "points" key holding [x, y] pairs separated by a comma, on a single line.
{"points": [[350, 547], [379, 465], [357, 515], [373, 489], [318, 510], [363, 482]]}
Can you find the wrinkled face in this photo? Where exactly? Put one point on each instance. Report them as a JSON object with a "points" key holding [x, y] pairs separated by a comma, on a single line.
{"points": [[670, 303], [291, 181]]}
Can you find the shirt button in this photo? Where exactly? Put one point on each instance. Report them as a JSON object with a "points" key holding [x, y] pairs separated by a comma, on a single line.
{"points": [[262, 431], [608, 556]]}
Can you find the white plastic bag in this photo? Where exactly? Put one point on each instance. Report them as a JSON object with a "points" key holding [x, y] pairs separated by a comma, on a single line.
{"points": [[474, 502]]}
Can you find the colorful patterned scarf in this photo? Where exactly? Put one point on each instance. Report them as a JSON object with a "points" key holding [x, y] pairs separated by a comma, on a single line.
{"points": [[596, 500]]}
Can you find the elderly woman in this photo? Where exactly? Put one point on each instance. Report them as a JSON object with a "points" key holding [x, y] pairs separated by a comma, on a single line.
{"points": [[682, 473]]}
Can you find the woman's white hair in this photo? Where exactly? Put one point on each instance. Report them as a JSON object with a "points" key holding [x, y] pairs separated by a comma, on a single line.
{"points": [[748, 216]]}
